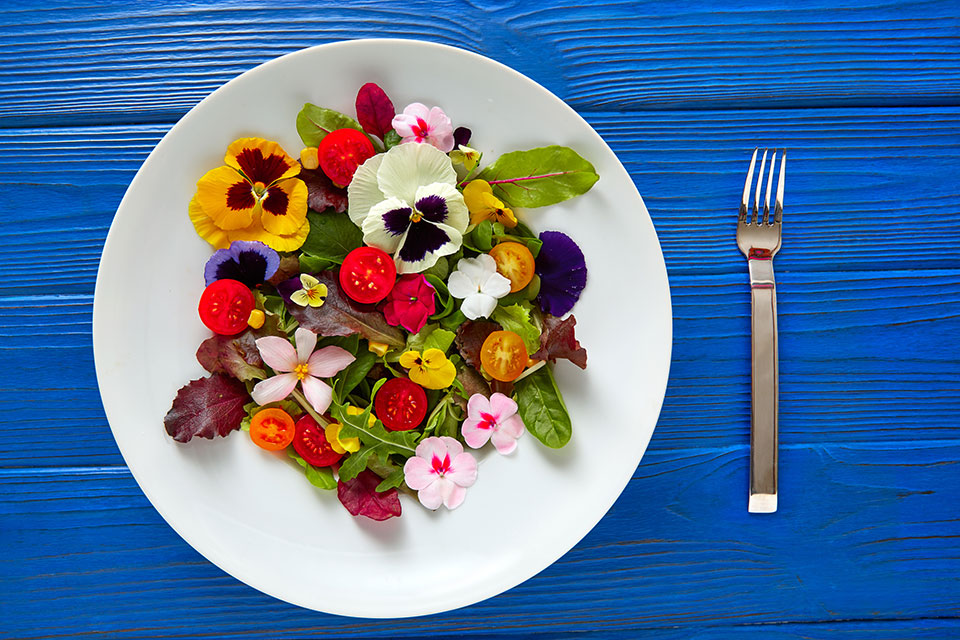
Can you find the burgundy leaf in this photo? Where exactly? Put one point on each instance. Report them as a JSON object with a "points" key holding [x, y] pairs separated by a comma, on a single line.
{"points": [[341, 316], [207, 407], [289, 267], [374, 110], [473, 382], [236, 356], [558, 340], [360, 497], [321, 192], [470, 337]]}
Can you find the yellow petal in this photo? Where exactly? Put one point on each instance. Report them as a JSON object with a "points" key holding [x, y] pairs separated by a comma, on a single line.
{"points": [[409, 359], [284, 207], [205, 226], [227, 198], [276, 242], [308, 281], [434, 358], [473, 195], [261, 160], [439, 378], [332, 433], [356, 411], [379, 348], [300, 297]]}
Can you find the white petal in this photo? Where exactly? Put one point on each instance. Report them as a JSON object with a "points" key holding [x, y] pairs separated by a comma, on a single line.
{"points": [[278, 353], [460, 285], [318, 393], [478, 305], [458, 216], [329, 361], [408, 166], [274, 389], [306, 342], [478, 269], [495, 285], [364, 191], [374, 226]]}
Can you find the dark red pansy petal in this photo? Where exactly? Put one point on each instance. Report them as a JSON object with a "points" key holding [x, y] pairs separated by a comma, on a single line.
{"points": [[276, 202], [260, 169], [240, 196]]}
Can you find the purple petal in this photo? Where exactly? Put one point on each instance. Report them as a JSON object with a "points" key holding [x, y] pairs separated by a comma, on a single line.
{"points": [[461, 135], [563, 273], [252, 263]]}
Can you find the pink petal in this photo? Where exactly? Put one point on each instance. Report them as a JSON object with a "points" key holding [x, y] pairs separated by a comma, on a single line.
{"points": [[306, 342], [418, 473], [475, 436], [431, 447], [454, 448], [319, 394], [403, 125], [501, 407], [417, 110], [433, 495], [463, 470], [329, 361], [274, 389], [278, 353], [455, 498], [512, 426], [504, 442], [444, 142], [478, 404]]}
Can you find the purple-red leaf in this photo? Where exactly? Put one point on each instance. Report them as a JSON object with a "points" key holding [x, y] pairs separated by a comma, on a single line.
{"points": [[341, 316], [470, 337], [360, 497], [374, 110], [321, 192], [207, 407], [236, 356], [558, 340]]}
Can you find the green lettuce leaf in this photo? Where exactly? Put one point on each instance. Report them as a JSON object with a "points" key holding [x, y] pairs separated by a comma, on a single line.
{"points": [[539, 177], [516, 318], [541, 407], [314, 123], [322, 478], [332, 236]]}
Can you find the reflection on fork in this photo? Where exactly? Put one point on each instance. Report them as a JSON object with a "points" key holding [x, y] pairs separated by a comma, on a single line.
{"points": [[758, 237]]}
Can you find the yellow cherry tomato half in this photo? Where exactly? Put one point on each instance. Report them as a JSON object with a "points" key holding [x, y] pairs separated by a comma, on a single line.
{"points": [[503, 355], [514, 262], [272, 429]]}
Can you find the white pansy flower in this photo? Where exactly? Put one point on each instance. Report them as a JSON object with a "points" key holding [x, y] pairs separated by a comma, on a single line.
{"points": [[407, 203], [478, 284]]}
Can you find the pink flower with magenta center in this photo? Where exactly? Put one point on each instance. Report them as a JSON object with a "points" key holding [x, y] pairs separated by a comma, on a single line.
{"points": [[495, 419], [418, 123], [440, 472], [410, 302]]}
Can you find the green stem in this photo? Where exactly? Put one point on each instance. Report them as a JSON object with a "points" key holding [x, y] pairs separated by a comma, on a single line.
{"points": [[302, 401]]}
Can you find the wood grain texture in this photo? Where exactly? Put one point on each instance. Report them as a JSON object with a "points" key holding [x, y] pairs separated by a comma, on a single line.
{"points": [[677, 549], [71, 62]]}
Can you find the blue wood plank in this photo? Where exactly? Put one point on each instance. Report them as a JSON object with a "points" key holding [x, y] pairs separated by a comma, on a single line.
{"points": [[73, 62], [864, 532]]}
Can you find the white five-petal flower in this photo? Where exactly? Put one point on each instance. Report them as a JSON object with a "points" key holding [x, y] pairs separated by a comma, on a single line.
{"points": [[303, 365], [477, 282]]}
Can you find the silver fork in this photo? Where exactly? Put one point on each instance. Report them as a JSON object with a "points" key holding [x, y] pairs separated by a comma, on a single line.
{"points": [[759, 240]]}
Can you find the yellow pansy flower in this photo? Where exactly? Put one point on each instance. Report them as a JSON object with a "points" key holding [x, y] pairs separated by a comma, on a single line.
{"points": [[432, 370], [313, 293], [256, 196], [466, 156], [483, 205]]}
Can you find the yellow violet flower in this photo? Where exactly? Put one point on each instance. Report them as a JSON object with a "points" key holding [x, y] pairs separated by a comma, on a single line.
{"points": [[338, 444], [255, 196], [432, 370], [466, 156], [483, 205], [313, 293], [378, 348]]}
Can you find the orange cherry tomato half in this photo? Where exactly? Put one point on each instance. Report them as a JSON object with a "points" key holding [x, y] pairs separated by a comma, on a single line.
{"points": [[367, 274], [312, 445], [341, 152], [514, 262], [225, 306], [272, 429], [401, 404], [503, 355]]}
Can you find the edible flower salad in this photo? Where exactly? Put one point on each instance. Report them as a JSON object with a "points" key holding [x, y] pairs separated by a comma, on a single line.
{"points": [[379, 309]]}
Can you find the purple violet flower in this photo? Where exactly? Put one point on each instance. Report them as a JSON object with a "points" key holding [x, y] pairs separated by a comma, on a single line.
{"points": [[461, 136], [563, 273], [252, 263]]}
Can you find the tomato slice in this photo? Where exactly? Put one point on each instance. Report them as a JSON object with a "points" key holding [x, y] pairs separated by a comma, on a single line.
{"points": [[401, 404], [225, 306], [515, 262], [503, 355], [367, 274], [272, 429], [312, 444], [341, 152]]}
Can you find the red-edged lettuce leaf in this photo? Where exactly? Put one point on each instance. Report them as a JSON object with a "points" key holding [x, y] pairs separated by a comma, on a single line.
{"points": [[207, 407], [360, 497], [341, 316], [470, 337], [375, 111], [473, 382], [235, 356], [289, 267], [558, 340], [321, 192]]}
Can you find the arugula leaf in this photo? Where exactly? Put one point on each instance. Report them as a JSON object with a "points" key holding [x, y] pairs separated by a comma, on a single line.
{"points": [[376, 439], [207, 407], [539, 177], [314, 123], [320, 478], [332, 236], [392, 481], [541, 407], [357, 462], [516, 318]]}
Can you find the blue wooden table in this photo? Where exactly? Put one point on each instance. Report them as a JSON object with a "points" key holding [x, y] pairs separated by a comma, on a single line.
{"points": [[866, 97]]}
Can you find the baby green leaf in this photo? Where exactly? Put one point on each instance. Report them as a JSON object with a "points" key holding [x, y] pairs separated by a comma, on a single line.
{"points": [[322, 478], [542, 409], [516, 318], [332, 236], [539, 177], [314, 123]]}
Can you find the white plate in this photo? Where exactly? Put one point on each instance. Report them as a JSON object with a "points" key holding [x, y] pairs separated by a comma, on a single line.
{"points": [[255, 516]]}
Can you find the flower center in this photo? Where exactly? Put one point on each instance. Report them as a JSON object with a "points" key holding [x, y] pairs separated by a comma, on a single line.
{"points": [[259, 188], [487, 421], [422, 129], [416, 216], [301, 371], [441, 467]]}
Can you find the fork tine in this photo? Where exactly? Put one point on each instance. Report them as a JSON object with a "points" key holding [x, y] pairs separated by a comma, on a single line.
{"points": [[746, 188], [756, 194], [778, 207], [766, 196]]}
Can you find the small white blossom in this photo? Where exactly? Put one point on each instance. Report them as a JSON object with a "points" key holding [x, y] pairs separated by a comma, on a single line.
{"points": [[478, 284]]}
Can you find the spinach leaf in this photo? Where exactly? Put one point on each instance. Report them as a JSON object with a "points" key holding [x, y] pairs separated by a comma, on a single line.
{"points": [[314, 123], [322, 478], [542, 410], [332, 236]]}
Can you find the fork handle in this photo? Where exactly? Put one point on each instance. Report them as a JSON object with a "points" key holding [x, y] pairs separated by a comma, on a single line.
{"points": [[764, 386]]}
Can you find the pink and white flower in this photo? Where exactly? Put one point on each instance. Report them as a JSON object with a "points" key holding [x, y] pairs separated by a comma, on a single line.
{"points": [[495, 419], [418, 123], [440, 472], [303, 365]]}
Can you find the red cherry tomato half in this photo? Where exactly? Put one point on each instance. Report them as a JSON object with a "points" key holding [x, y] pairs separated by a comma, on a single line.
{"points": [[312, 445], [400, 404], [225, 306], [341, 152], [367, 274]]}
